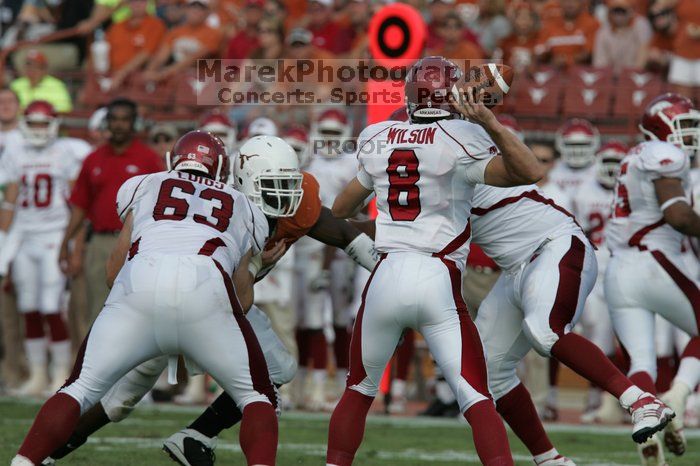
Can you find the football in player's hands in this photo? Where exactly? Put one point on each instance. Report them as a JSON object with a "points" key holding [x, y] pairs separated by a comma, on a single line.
{"points": [[494, 79]]}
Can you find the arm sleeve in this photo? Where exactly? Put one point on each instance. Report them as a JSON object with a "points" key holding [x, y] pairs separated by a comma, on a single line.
{"points": [[129, 194], [474, 172], [364, 178], [259, 230]]}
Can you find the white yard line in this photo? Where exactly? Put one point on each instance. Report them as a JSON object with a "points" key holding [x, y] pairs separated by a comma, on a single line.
{"points": [[318, 449]]}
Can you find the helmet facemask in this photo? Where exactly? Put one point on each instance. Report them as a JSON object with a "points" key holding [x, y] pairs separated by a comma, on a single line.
{"points": [[685, 132], [607, 171], [278, 194], [39, 131]]}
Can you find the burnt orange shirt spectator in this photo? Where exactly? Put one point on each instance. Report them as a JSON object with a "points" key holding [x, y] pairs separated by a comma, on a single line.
{"points": [[187, 40], [662, 42], [126, 40], [687, 41], [564, 40], [518, 50]]}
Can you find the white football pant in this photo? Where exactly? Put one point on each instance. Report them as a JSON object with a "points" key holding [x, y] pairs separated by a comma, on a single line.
{"points": [[36, 274]]}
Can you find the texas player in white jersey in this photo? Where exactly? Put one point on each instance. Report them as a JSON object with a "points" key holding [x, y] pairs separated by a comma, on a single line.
{"points": [[647, 273], [39, 171], [185, 233], [577, 142], [591, 206], [423, 174]]}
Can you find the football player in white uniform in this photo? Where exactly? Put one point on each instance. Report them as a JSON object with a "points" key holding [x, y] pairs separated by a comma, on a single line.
{"points": [[187, 237], [423, 174], [647, 274], [549, 268], [591, 206], [577, 142], [39, 172], [267, 171], [321, 272]]}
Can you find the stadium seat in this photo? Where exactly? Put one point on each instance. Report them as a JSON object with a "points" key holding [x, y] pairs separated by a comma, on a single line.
{"points": [[629, 102], [590, 102], [537, 100], [588, 76], [637, 79]]}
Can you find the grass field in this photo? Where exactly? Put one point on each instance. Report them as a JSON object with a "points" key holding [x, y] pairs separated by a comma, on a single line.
{"points": [[388, 441]]}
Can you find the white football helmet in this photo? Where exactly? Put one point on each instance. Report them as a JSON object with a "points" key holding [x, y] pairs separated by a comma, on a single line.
{"points": [[261, 126], [218, 124], [39, 123], [608, 160], [266, 170], [329, 132], [577, 141]]}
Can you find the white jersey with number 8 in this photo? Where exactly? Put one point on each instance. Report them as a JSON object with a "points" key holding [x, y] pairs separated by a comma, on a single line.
{"points": [[423, 176]]}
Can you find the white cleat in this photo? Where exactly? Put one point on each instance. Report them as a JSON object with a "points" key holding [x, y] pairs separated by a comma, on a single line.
{"points": [[651, 452], [195, 393], [649, 416], [190, 448], [20, 460], [558, 461], [609, 412], [317, 400], [397, 405], [676, 399]]}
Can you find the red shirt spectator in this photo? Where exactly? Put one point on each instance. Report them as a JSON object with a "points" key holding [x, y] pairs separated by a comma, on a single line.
{"points": [[245, 41], [103, 173], [328, 34]]}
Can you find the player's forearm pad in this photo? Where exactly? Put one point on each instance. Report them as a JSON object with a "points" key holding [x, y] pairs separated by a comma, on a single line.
{"points": [[362, 251]]}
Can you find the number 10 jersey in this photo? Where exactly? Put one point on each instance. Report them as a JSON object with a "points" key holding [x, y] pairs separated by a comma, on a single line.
{"points": [[423, 176], [177, 213]]}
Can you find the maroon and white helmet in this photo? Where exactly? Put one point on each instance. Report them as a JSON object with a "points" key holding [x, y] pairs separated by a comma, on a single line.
{"points": [[672, 118], [218, 124], [201, 152], [39, 123], [577, 140], [512, 124], [428, 89], [607, 161], [297, 137], [331, 126]]}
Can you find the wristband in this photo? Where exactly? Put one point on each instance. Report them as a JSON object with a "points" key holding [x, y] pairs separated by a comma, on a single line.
{"points": [[362, 251], [255, 264], [672, 201]]}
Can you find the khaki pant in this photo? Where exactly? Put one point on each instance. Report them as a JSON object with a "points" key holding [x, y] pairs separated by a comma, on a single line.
{"points": [[79, 318], [98, 250], [476, 284], [14, 366], [284, 322]]}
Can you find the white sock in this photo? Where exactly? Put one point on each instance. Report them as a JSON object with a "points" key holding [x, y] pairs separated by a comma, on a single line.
{"points": [[547, 455], [631, 395], [689, 372], [444, 392], [60, 353], [398, 388], [319, 376], [35, 348]]}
